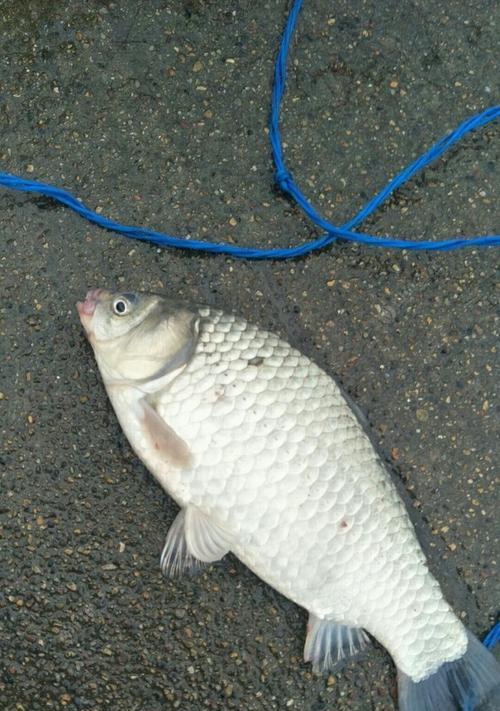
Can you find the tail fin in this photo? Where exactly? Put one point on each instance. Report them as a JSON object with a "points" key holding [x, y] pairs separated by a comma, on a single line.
{"points": [[471, 683]]}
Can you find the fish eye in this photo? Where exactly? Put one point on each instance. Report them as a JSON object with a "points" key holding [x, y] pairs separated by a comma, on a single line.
{"points": [[120, 306]]}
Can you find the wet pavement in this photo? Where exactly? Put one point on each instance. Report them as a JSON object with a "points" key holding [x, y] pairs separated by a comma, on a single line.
{"points": [[155, 114]]}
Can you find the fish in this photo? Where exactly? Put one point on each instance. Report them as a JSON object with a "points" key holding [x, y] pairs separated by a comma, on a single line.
{"points": [[267, 460]]}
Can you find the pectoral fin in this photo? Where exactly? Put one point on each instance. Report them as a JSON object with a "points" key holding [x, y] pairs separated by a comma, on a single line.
{"points": [[162, 438]]}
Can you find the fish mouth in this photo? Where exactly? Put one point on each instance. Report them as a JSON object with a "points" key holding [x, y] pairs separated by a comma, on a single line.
{"points": [[87, 307]]}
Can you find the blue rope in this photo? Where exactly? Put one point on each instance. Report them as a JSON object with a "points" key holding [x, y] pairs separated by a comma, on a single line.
{"points": [[493, 636], [286, 183]]}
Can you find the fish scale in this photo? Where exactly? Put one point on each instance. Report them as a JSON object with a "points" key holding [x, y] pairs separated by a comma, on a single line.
{"points": [[267, 460], [281, 527]]}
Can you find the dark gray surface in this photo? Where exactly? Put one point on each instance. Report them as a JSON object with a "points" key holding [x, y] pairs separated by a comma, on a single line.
{"points": [[155, 113]]}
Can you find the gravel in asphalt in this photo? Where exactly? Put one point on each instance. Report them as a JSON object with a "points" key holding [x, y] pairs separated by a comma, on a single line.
{"points": [[155, 114]]}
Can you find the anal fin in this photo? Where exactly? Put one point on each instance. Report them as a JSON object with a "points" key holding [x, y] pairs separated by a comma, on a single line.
{"points": [[329, 642]]}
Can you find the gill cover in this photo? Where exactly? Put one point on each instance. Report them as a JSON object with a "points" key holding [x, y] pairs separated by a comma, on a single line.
{"points": [[137, 337]]}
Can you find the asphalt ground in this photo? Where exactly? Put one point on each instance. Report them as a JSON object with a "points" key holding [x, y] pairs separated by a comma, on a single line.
{"points": [[155, 113]]}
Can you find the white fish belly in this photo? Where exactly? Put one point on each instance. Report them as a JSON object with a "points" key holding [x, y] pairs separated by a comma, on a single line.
{"points": [[283, 464]]}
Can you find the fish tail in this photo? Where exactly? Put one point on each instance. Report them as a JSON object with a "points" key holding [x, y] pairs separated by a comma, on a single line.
{"points": [[470, 683]]}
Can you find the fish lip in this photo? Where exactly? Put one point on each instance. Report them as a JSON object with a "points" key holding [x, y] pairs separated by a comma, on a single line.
{"points": [[87, 307]]}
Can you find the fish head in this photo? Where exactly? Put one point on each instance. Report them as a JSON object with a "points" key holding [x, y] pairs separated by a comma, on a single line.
{"points": [[137, 336]]}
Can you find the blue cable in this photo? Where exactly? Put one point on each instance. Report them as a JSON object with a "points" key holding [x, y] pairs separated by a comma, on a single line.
{"points": [[286, 183]]}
